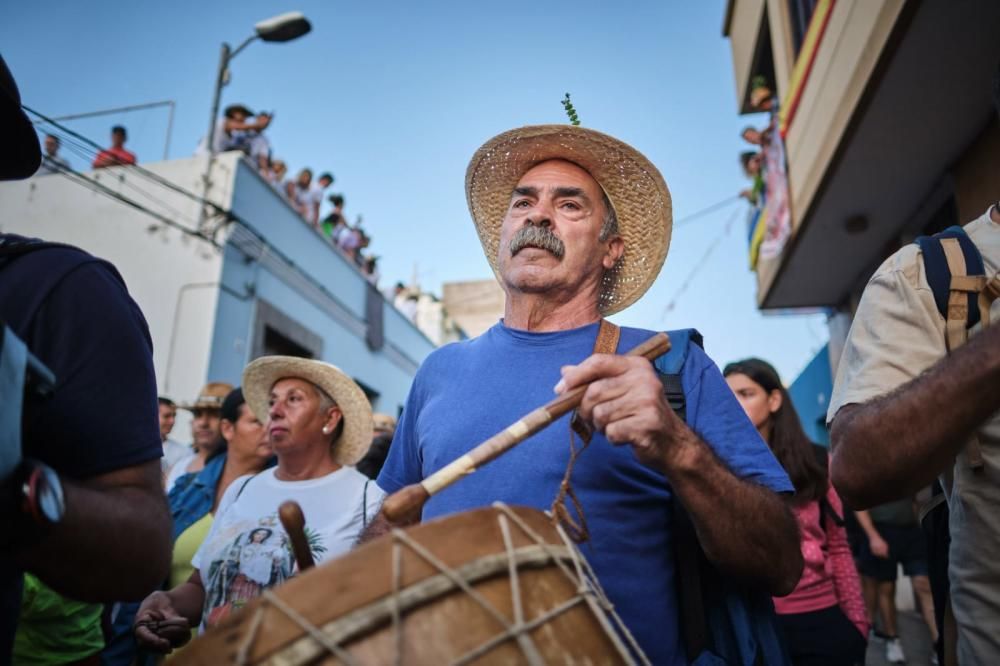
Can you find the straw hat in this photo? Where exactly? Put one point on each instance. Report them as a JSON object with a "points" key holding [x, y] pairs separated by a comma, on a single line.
{"points": [[634, 186], [210, 396], [383, 422], [262, 374]]}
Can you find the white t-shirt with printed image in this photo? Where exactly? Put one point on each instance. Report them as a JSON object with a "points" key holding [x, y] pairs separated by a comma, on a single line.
{"points": [[247, 550]]}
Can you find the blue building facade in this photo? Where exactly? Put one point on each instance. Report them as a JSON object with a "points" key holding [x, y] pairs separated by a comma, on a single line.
{"points": [[811, 395], [285, 289]]}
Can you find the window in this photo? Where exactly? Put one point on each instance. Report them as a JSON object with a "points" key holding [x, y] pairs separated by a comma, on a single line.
{"points": [[277, 333], [276, 344], [800, 13]]}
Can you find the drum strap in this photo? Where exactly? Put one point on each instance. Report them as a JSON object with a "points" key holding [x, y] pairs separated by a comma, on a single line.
{"points": [[606, 343], [364, 505]]}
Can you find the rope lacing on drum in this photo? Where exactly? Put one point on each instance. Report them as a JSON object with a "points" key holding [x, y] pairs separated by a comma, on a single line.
{"points": [[587, 585], [514, 630], [268, 597], [579, 573]]}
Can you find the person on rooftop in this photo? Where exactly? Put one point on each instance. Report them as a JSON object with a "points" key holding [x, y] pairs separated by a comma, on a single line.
{"points": [[276, 175], [334, 225], [303, 197], [234, 131], [318, 188], [52, 161], [116, 155]]}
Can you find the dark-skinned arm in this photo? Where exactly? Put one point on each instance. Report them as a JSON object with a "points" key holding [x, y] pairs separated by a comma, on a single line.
{"points": [[186, 601], [751, 533], [380, 526], [113, 543], [893, 446]]}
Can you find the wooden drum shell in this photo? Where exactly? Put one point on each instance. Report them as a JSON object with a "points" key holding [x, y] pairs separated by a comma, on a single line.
{"points": [[385, 603]]}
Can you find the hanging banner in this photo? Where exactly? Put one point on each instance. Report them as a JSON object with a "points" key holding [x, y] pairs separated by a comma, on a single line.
{"points": [[779, 220]]}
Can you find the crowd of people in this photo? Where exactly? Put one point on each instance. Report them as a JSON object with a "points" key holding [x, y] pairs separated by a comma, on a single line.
{"points": [[752, 159], [97, 520], [243, 130], [223, 556]]}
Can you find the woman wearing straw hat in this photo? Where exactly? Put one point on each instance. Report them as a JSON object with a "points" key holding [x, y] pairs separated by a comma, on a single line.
{"points": [[320, 426]]}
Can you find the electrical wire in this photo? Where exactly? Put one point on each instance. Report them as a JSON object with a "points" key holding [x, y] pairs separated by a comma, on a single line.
{"points": [[246, 238], [132, 167], [101, 188], [84, 152], [705, 211], [700, 264]]}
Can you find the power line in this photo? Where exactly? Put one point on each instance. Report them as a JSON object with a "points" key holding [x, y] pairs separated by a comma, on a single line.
{"points": [[100, 188], [127, 109], [82, 150], [253, 241], [133, 167], [672, 303], [705, 211]]}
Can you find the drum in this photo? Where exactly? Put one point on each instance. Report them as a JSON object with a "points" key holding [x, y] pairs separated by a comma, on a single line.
{"points": [[496, 585]]}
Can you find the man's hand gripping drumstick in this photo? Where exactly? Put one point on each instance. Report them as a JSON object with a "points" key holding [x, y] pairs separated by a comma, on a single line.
{"points": [[404, 506]]}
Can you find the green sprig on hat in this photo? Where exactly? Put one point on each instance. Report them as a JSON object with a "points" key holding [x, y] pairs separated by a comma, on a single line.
{"points": [[570, 111]]}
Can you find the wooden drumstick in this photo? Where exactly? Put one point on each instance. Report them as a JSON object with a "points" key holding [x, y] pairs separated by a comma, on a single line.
{"points": [[404, 505], [294, 523]]}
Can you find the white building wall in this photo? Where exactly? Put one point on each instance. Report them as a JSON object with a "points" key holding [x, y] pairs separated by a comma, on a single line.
{"points": [[172, 276], [202, 304]]}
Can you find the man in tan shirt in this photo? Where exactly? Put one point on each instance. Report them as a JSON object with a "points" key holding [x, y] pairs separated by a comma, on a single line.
{"points": [[903, 409]]}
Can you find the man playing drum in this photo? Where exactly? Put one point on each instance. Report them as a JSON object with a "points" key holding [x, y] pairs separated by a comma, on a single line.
{"points": [[576, 225]]}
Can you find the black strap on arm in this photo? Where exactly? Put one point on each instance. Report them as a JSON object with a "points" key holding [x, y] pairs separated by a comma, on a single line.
{"points": [[687, 550]]}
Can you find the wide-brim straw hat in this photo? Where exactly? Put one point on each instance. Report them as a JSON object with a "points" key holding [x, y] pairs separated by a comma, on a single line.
{"points": [[634, 186], [261, 375], [211, 396]]}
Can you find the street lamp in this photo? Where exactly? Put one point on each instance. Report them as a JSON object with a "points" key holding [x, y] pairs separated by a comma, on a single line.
{"points": [[281, 28]]}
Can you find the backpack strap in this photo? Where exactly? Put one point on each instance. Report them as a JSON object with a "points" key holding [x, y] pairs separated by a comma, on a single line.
{"points": [[364, 505], [962, 293], [948, 255], [244, 485], [693, 616], [669, 366], [963, 305]]}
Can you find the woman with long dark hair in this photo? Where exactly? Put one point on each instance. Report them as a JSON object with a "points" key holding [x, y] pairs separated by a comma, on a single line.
{"points": [[824, 618]]}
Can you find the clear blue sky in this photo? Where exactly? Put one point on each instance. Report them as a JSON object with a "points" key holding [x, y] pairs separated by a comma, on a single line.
{"points": [[394, 97]]}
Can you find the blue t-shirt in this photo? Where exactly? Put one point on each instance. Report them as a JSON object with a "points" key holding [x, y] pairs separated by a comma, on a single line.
{"points": [[466, 392]]}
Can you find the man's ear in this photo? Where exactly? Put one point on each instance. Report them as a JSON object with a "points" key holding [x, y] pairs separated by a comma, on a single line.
{"points": [[228, 429], [616, 248]]}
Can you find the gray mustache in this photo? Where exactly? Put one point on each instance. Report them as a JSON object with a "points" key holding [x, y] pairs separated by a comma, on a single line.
{"points": [[540, 237]]}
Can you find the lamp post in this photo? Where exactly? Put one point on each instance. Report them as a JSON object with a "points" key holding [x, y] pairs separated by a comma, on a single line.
{"points": [[281, 28]]}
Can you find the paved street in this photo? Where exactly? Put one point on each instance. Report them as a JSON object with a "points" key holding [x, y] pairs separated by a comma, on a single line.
{"points": [[916, 642]]}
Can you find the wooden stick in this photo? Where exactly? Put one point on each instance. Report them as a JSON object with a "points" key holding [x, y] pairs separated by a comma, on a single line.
{"points": [[294, 523], [404, 505]]}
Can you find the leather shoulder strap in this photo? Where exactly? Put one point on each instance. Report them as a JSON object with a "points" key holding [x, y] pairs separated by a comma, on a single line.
{"points": [[607, 338], [606, 343]]}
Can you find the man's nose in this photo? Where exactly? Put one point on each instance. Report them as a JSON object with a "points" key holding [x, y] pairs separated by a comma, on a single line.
{"points": [[541, 218]]}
